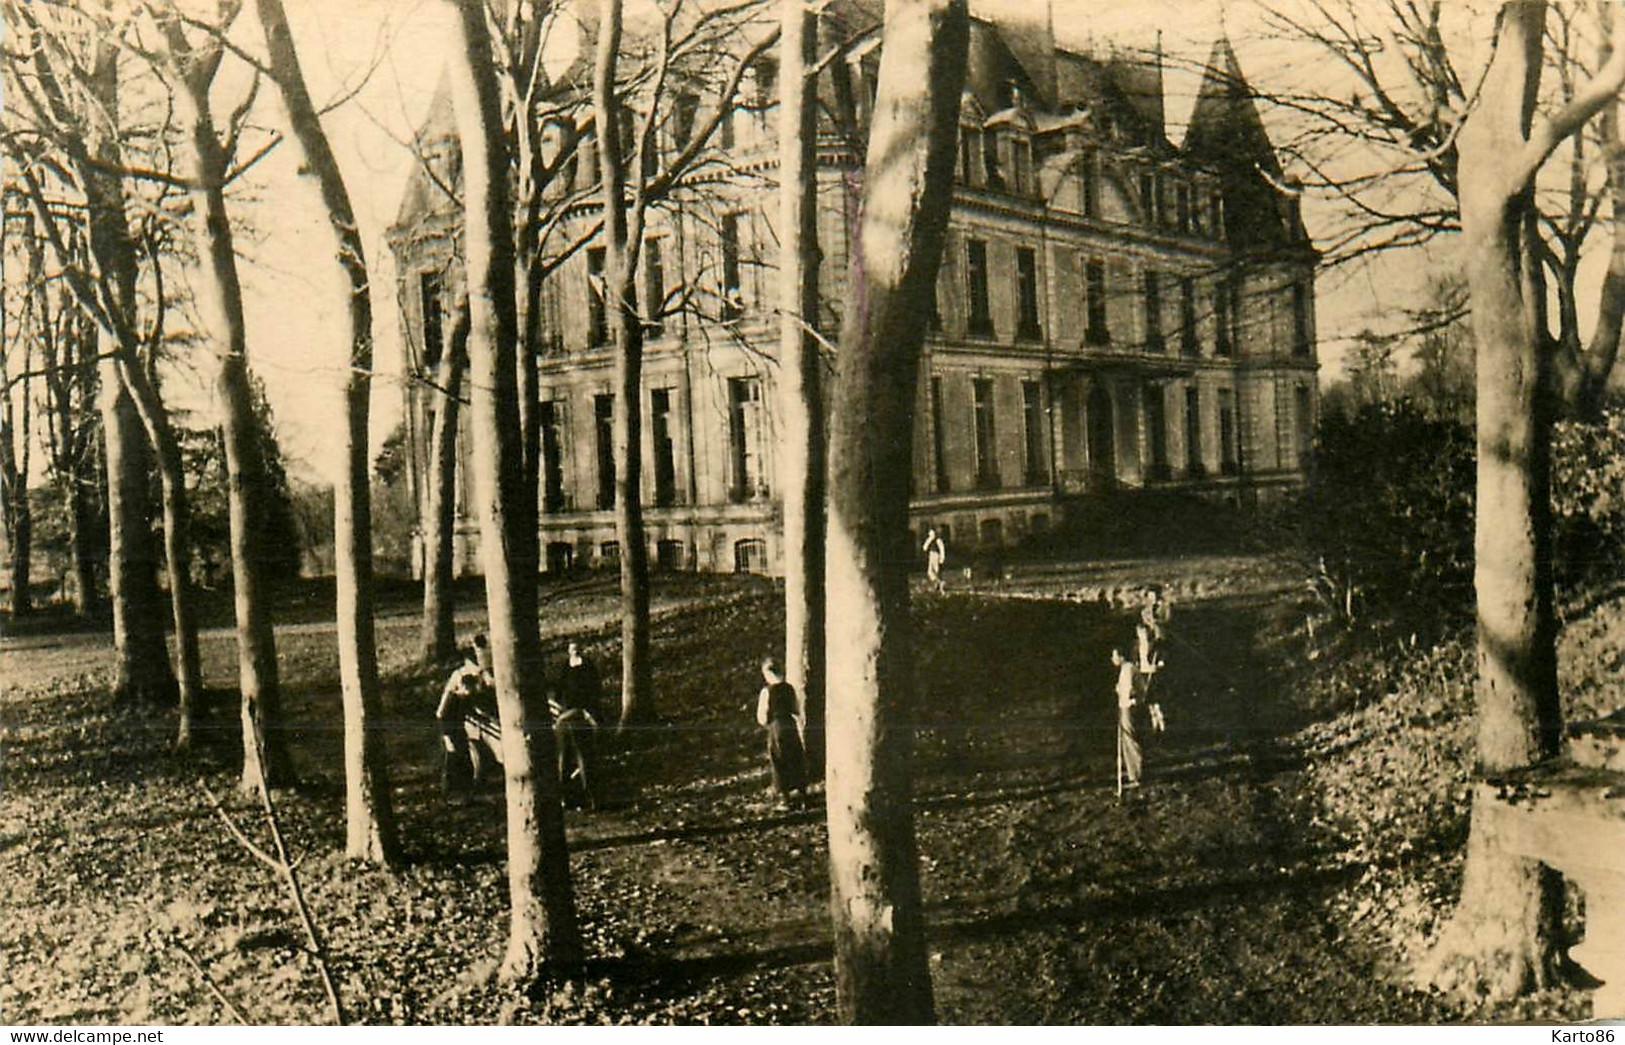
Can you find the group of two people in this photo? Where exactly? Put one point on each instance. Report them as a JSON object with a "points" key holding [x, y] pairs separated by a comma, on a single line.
{"points": [[468, 720], [1135, 671]]}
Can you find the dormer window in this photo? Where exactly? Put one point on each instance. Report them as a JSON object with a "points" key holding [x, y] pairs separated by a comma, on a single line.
{"points": [[1090, 166], [1021, 166], [991, 176], [1148, 189], [1182, 204], [969, 140]]}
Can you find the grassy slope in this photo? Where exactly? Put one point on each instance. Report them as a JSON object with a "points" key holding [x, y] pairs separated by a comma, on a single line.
{"points": [[1272, 871]]}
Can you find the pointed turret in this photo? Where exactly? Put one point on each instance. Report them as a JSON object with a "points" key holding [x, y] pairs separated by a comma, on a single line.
{"points": [[1227, 134]]}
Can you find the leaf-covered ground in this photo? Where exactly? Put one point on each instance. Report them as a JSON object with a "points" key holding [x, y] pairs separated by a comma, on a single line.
{"points": [[1298, 835]]}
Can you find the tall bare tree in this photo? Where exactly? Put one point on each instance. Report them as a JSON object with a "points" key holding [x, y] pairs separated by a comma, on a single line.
{"points": [[76, 107], [543, 934], [631, 181], [1504, 937], [1404, 91], [801, 463], [881, 973], [192, 68], [79, 116], [370, 834], [16, 401], [439, 636]]}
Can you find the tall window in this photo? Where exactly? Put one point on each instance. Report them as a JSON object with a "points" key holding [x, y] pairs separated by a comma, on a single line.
{"points": [[967, 154], [1193, 433], [987, 462], [654, 285], [1187, 317], [980, 321], [1091, 185], [1182, 207], [553, 456], [939, 447], [1156, 430], [1216, 213], [1021, 166], [1094, 279], [603, 416], [1305, 410], [597, 313], [1300, 320], [733, 300], [748, 480], [433, 332], [1027, 294], [991, 177], [1221, 317], [1035, 467], [1148, 196], [664, 447], [1236, 318], [687, 111], [1153, 310], [1229, 461]]}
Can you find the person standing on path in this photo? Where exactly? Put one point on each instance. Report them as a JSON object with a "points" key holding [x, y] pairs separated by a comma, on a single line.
{"points": [[936, 553], [1128, 746], [776, 712]]}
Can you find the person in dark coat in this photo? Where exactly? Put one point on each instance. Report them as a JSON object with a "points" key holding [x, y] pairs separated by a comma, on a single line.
{"points": [[464, 691], [776, 712], [579, 687], [575, 726]]}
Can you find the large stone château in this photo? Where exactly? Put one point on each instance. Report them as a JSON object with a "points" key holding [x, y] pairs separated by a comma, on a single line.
{"points": [[1114, 312]]}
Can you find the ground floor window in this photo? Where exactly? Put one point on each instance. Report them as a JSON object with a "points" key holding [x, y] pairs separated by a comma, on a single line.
{"points": [[750, 555]]}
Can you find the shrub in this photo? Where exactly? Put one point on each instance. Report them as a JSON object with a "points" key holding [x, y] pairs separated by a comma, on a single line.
{"points": [[1388, 513], [1588, 497]]}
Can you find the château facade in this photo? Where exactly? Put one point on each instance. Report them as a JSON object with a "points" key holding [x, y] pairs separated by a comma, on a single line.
{"points": [[1113, 312]]}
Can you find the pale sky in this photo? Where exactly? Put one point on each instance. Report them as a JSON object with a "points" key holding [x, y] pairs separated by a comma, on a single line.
{"points": [[295, 294]]}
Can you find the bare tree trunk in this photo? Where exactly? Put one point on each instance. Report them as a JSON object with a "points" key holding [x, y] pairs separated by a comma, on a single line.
{"points": [[369, 813], [801, 464], [881, 974], [1502, 939], [1582, 377], [141, 668], [260, 710], [177, 541], [543, 934], [82, 551], [623, 237], [220, 297], [14, 506], [440, 510]]}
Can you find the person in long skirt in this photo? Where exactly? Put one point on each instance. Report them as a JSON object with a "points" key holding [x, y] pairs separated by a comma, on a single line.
{"points": [[936, 554], [1128, 745], [776, 712]]}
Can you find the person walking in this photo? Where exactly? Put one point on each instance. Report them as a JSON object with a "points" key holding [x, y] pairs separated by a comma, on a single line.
{"points": [[936, 554], [776, 712]]}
